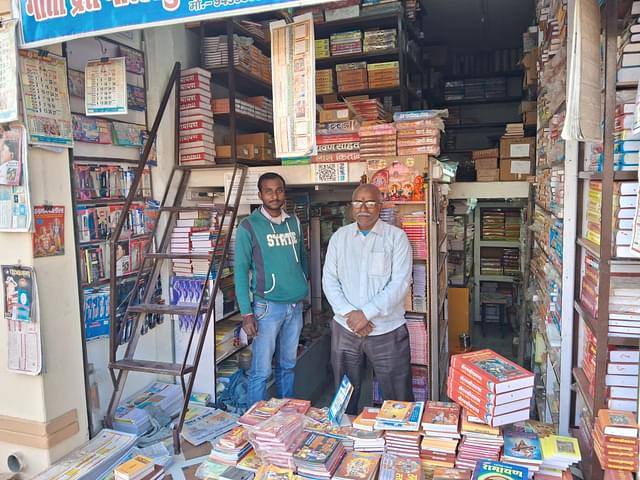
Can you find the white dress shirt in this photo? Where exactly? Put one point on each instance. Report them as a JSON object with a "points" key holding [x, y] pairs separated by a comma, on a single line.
{"points": [[371, 273]]}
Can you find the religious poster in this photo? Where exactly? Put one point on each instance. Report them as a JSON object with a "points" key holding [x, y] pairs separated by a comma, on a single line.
{"points": [[105, 84], [8, 73], [45, 93], [15, 206], [294, 75], [48, 239]]}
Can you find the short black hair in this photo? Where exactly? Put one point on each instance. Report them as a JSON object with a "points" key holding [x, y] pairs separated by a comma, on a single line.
{"points": [[270, 176]]}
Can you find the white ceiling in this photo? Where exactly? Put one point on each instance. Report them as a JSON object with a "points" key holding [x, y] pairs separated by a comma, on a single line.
{"points": [[458, 23]]}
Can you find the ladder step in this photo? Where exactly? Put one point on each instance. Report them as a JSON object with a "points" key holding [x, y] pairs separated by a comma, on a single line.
{"points": [[148, 366], [191, 256], [166, 309], [195, 209]]}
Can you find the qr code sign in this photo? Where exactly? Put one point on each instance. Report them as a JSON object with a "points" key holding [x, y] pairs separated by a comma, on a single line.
{"points": [[329, 172]]}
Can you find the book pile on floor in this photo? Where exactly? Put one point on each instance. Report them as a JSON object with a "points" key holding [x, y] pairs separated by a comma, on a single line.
{"points": [[441, 436], [490, 387], [197, 145], [138, 468], [277, 438], [479, 442], [418, 132], [131, 416], [615, 440], [379, 40], [377, 140], [319, 456]]}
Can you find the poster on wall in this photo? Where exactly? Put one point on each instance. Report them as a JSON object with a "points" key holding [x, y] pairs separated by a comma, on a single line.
{"points": [[8, 73], [105, 83], [48, 238], [23, 324], [15, 205], [45, 94], [294, 75]]}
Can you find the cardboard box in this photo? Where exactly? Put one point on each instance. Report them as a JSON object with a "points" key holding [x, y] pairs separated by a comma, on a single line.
{"points": [[524, 147], [266, 153], [489, 175], [486, 163], [514, 169], [243, 152], [259, 139], [338, 115], [486, 153]]}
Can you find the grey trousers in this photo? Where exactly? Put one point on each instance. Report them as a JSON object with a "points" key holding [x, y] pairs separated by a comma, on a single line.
{"points": [[389, 354]]}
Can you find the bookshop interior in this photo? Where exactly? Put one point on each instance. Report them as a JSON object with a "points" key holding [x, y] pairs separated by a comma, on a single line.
{"points": [[392, 239]]}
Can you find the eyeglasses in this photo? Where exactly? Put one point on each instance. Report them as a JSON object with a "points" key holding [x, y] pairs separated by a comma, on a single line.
{"points": [[368, 203]]}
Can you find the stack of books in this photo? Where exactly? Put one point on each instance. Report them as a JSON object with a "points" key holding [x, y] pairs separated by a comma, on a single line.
{"points": [[197, 145], [377, 140], [231, 447], [380, 40], [415, 226], [203, 424], [479, 441], [418, 133], [138, 468], [277, 438], [498, 470], [383, 75], [191, 235], [626, 144], [558, 454], [622, 371], [492, 224], [366, 419], [406, 444], [615, 440], [523, 449], [262, 410], [337, 151], [514, 130], [346, 43], [319, 456], [396, 415], [352, 77], [368, 109], [394, 467], [419, 288], [367, 441], [131, 416], [358, 466], [490, 387], [418, 339], [441, 435]]}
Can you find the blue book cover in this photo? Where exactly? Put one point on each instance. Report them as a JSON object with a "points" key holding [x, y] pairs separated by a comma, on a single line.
{"points": [[340, 401], [486, 470], [523, 446]]}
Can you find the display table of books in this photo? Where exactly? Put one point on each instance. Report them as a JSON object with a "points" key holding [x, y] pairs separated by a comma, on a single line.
{"points": [[289, 439]]}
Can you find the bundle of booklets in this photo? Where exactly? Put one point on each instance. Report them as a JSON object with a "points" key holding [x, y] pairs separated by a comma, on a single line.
{"points": [[231, 447], [397, 415], [379, 40], [615, 440], [490, 387], [319, 456], [352, 77], [394, 467], [377, 140], [479, 442], [131, 415], [346, 43], [415, 226], [203, 424], [277, 438], [406, 444], [441, 435], [197, 145], [138, 468], [358, 465], [418, 132], [383, 75]]}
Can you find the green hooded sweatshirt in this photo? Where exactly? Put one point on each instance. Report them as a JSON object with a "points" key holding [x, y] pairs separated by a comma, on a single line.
{"points": [[276, 257]]}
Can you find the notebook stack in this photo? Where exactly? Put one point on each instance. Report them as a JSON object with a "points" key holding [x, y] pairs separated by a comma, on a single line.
{"points": [[138, 468], [319, 456], [377, 140], [131, 416], [367, 441], [396, 415], [197, 145], [346, 43], [615, 440], [523, 449], [441, 435], [358, 466], [558, 454], [406, 444], [231, 447], [490, 387], [277, 438], [395, 467], [415, 226], [418, 132], [479, 441]]}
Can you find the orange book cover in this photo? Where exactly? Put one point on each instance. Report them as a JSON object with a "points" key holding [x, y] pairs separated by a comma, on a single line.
{"points": [[493, 370], [358, 466], [394, 410], [446, 414]]}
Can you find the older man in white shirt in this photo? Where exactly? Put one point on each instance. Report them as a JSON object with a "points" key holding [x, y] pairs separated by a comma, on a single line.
{"points": [[366, 276]]}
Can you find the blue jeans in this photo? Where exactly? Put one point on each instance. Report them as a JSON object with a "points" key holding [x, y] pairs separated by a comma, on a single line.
{"points": [[279, 326]]}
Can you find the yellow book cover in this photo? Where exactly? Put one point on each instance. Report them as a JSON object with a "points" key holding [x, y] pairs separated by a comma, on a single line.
{"points": [[134, 467], [382, 66], [395, 410]]}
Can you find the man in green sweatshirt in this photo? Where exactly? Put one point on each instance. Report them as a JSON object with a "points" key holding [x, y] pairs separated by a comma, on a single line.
{"points": [[271, 263]]}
